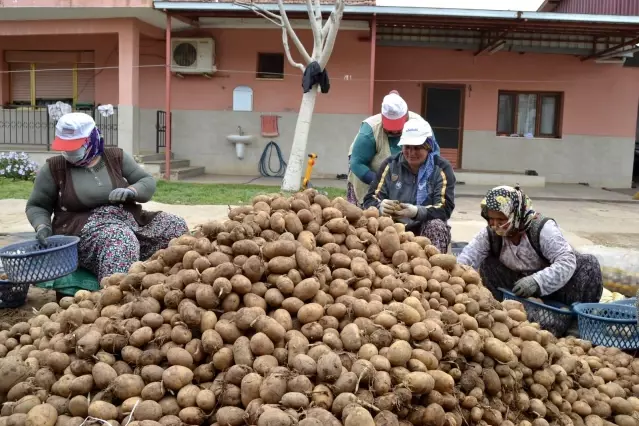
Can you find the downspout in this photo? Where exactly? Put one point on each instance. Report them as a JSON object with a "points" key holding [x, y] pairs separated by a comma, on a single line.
{"points": [[371, 89], [167, 100]]}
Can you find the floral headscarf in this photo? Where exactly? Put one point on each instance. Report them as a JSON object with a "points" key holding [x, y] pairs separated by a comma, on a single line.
{"points": [[513, 203], [94, 147]]}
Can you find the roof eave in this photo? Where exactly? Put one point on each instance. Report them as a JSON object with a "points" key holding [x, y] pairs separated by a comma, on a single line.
{"points": [[411, 11]]}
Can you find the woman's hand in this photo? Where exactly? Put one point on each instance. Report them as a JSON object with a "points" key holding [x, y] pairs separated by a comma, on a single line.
{"points": [[42, 233], [387, 207], [120, 195], [407, 211], [526, 287]]}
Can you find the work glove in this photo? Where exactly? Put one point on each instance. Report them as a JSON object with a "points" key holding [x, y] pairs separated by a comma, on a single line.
{"points": [[42, 233], [408, 211], [526, 287], [120, 195], [387, 207]]}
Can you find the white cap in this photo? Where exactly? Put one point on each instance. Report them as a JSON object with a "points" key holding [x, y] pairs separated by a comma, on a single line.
{"points": [[394, 111], [415, 132], [72, 130]]}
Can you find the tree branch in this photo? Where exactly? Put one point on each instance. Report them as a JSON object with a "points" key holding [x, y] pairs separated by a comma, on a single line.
{"points": [[273, 17], [292, 35], [327, 28], [287, 49], [316, 25], [329, 44]]}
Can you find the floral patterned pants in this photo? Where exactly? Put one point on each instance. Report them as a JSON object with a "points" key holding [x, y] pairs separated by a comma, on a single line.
{"points": [[438, 232], [112, 240], [351, 197]]}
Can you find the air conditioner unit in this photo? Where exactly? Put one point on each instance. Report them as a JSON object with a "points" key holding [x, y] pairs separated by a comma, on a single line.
{"points": [[193, 56]]}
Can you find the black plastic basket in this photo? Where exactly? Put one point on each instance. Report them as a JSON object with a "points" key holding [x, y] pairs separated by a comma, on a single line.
{"points": [[29, 262], [12, 295], [548, 315], [608, 324]]}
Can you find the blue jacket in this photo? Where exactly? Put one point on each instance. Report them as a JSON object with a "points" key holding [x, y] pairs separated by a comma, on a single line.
{"points": [[396, 181]]}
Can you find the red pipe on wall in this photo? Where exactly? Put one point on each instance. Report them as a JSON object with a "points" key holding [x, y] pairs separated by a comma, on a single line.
{"points": [[167, 100], [371, 93]]}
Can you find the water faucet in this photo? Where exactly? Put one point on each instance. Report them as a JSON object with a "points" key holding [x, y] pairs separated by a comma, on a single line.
{"points": [[239, 130]]}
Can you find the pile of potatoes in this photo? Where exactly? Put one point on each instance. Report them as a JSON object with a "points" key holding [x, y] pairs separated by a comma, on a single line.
{"points": [[303, 311]]}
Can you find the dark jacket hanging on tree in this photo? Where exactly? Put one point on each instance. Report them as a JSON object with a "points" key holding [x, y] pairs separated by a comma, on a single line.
{"points": [[313, 74]]}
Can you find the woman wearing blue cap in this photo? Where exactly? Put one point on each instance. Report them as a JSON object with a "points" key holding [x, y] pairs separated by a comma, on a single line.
{"points": [[93, 192]]}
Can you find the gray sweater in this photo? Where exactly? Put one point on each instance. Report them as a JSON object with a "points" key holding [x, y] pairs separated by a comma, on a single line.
{"points": [[92, 186]]}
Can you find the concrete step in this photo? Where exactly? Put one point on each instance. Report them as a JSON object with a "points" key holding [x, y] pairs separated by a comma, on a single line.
{"points": [[186, 172], [145, 158], [161, 164]]}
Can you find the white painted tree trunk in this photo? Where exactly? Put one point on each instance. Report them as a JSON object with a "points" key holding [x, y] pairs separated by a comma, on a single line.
{"points": [[295, 168], [324, 36]]}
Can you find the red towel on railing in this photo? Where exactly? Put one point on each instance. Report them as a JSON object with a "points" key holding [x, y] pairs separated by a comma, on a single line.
{"points": [[269, 126]]}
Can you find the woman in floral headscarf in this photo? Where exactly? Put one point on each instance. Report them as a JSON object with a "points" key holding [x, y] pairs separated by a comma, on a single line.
{"points": [[94, 193], [525, 252]]}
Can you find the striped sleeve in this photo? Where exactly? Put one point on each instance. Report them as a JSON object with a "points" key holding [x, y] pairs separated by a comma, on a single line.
{"points": [[443, 196], [378, 189]]}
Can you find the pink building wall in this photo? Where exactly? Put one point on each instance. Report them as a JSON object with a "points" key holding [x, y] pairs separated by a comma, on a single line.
{"points": [[236, 58], [105, 47], [599, 99], [236, 52]]}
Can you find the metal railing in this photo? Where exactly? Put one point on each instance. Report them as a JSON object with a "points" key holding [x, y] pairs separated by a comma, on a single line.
{"points": [[32, 127]]}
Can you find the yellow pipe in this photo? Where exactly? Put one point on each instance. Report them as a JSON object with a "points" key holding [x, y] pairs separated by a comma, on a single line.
{"points": [[309, 169], [75, 84], [32, 74]]}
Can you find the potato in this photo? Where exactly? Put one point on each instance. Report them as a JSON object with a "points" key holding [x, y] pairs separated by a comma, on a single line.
{"points": [[231, 416], [176, 377], [295, 400], [329, 367], [273, 387], [103, 410], [389, 242], [42, 415], [127, 386], [444, 261], [260, 344], [497, 349], [533, 355], [179, 356], [419, 382]]}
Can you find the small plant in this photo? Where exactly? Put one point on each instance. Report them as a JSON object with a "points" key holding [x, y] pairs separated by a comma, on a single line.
{"points": [[17, 166]]}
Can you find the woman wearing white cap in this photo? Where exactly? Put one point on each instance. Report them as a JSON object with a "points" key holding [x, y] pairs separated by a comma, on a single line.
{"points": [[416, 186], [93, 193], [376, 141]]}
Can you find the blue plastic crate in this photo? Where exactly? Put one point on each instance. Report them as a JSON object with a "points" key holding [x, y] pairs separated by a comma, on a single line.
{"points": [[29, 262], [458, 247], [12, 295], [608, 324], [549, 315]]}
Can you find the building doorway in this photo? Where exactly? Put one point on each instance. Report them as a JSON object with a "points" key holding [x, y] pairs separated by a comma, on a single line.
{"points": [[443, 108]]}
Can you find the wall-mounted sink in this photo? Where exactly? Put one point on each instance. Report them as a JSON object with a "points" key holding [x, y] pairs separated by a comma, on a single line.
{"points": [[243, 139], [240, 140]]}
